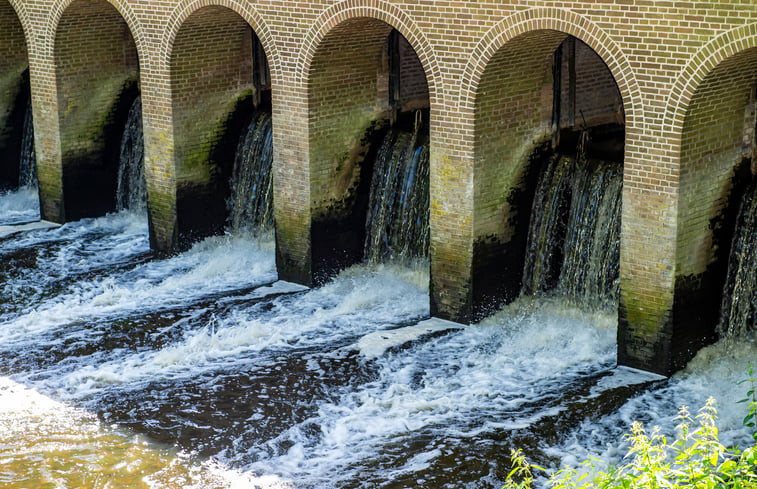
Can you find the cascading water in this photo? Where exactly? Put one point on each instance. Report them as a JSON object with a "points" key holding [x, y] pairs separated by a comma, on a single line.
{"points": [[738, 311], [574, 234], [245, 380], [546, 234], [250, 203], [592, 242], [131, 192], [22, 205], [397, 223], [28, 160]]}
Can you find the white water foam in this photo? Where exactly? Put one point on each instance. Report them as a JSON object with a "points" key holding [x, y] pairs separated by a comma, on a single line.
{"points": [[214, 265], [476, 380], [714, 372], [19, 206], [359, 298], [86, 244]]}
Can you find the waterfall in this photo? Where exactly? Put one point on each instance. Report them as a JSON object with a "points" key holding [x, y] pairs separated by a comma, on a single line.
{"points": [[397, 222], [738, 311], [250, 202], [132, 189], [546, 233], [590, 269], [574, 234], [27, 176]]}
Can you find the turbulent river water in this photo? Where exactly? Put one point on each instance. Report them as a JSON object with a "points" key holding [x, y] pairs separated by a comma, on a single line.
{"points": [[123, 368], [126, 368]]}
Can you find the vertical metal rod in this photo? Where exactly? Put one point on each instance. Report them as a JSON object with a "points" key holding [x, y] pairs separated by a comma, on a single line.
{"points": [[571, 43], [260, 76], [556, 94], [394, 72]]}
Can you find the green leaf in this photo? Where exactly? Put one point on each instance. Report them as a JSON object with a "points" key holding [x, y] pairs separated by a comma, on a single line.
{"points": [[728, 466]]}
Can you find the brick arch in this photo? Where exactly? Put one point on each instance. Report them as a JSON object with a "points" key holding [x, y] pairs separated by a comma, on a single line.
{"points": [[94, 46], [564, 21], [208, 53], [185, 8], [707, 122], [23, 17], [14, 91], [122, 6], [379, 10], [707, 59]]}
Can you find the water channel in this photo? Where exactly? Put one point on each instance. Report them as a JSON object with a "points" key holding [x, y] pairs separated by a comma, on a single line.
{"points": [[120, 367]]}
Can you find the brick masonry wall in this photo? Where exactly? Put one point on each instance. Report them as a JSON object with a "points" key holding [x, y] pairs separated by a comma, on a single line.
{"points": [[211, 69], [93, 101], [713, 145], [90, 30], [343, 101], [13, 58], [413, 86], [13, 62], [658, 51]]}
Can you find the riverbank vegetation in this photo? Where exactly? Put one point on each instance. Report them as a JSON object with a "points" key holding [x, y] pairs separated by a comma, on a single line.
{"points": [[694, 459]]}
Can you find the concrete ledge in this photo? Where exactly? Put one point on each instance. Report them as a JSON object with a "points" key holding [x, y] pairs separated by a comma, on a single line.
{"points": [[31, 226]]}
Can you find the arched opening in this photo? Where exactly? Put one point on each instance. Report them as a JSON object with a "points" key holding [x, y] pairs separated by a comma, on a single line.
{"points": [[716, 258], [368, 103], [549, 143], [221, 94], [97, 71], [16, 133]]}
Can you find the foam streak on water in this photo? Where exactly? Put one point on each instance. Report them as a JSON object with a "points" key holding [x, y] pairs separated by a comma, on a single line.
{"points": [[215, 265], [358, 301], [436, 400]]}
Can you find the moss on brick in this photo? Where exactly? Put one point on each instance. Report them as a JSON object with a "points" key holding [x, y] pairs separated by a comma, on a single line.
{"points": [[198, 132], [10, 84], [335, 155], [84, 119]]}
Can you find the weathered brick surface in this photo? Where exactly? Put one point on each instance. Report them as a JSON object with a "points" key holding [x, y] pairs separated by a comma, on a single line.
{"points": [[677, 65], [211, 68], [13, 57], [597, 98], [13, 63], [95, 58]]}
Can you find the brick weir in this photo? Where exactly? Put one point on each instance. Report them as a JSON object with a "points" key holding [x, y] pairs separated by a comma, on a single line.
{"points": [[496, 81]]}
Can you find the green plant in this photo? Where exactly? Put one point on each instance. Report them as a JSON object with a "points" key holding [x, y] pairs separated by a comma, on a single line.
{"points": [[695, 459], [521, 471], [750, 420]]}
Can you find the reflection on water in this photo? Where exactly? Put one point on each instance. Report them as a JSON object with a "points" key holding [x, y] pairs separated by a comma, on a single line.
{"points": [[44, 443]]}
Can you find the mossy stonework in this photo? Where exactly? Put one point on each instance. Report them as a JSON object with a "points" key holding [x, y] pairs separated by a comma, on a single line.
{"points": [[684, 73], [14, 88]]}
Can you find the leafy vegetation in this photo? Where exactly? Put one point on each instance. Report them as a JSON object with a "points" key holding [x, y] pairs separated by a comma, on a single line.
{"points": [[694, 459]]}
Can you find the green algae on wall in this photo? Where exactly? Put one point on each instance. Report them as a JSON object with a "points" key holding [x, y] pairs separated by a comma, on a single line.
{"points": [[84, 119], [10, 84], [199, 129]]}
